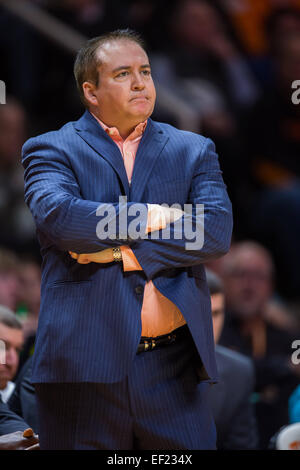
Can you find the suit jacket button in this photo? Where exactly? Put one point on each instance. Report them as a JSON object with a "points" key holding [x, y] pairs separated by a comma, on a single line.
{"points": [[139, 289]]}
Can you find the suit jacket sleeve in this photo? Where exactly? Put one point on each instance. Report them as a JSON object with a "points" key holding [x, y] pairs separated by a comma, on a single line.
{"points": [[22, 401], [53, 196], [9, 421], [242, 434], [208, 189]]}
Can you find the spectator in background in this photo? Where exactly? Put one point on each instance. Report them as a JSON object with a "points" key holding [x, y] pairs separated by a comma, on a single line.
{"points": [[203, 65], [249, 18], [29, 304], [29, 294], [15, 433], [90, 17], [248, 283], [12, 335], [272, 144], [9, 281], [17, 227], [231, 397], [23, 401]]}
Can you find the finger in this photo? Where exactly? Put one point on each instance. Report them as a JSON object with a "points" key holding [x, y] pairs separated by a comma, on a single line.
{"points": [[82, 259], [35, 447], [73, 255], [28, 432]]}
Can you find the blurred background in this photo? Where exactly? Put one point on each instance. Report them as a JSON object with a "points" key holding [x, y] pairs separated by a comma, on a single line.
{"points": [[222, 68]]}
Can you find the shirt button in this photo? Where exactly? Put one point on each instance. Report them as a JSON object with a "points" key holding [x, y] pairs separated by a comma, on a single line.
{"points": [[139, 289]]}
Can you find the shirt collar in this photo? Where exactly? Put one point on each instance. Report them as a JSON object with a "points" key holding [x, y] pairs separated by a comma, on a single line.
{"points": [[115, 135]]}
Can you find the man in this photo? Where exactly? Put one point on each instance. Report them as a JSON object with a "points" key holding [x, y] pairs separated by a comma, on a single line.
{"points": [[248, 275], [23, 401], [18, 417], [14, 431], [11, 337], [17, 226], [121, 344], [231, 397], [9, 282], [15, 434]]}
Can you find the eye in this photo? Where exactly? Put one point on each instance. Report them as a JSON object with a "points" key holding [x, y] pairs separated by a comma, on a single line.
{"points": [[146, 72], [123, 74]]}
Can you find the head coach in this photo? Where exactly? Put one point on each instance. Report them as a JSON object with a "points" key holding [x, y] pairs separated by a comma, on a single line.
{"points": [[124, 355]]}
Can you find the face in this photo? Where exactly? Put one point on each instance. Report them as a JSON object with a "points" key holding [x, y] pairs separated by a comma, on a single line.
{"points": [[289, 62], [217, 309], [125, 95], [12, 133], [13, 340], [198, 23], [9, 289], [248, 284], [30, 286]]}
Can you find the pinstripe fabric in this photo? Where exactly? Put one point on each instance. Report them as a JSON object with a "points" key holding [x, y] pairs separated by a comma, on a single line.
{"points": [[89, 324], [158, 405]]}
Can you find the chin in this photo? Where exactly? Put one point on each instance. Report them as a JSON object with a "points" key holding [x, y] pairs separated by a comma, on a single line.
{"points": [[143, 106]]}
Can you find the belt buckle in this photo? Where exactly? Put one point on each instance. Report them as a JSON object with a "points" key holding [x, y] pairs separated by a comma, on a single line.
{"points": [[149, 346]]}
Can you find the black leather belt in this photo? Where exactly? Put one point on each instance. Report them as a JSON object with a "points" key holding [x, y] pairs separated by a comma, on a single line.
{"points": [[148, 344]]}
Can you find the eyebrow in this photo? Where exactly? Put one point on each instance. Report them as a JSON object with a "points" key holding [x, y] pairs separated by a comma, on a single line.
{"points": [[127, 67]]}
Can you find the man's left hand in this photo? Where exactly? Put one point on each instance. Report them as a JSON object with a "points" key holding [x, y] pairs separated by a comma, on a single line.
{"points": [[104, 256], [19, 440]]}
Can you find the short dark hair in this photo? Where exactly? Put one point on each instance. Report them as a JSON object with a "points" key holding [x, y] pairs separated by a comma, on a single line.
{"points": [[87, 62], [214, 283], [9, 318]]}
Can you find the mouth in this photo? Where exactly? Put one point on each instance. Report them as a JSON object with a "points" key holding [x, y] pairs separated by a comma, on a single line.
{"points": [[139, 98], [5, 375]]}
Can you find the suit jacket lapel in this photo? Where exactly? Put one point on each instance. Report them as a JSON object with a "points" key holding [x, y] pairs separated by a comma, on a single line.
{"points": [[91, 131], [150, 147]]}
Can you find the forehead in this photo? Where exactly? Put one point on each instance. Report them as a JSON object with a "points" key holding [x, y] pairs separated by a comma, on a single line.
{"points": [[251, 259], [115, 54], [13, 336]]}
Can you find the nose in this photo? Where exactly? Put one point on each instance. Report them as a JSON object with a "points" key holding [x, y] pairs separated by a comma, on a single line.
{"points": [[137, 81], [12, 357]]}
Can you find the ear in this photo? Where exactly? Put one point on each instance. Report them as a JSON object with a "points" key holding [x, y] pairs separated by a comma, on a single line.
{"points": [[89, 93]]}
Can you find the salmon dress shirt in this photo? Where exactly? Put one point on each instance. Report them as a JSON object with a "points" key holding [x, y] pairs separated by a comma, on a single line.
{"points": [[159, 315]]}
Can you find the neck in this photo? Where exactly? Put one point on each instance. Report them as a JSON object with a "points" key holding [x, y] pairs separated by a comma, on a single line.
{"points": [[125, 129]]}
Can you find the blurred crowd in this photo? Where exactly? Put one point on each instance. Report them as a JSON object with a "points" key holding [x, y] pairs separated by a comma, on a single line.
{"points": [[233, 62]]}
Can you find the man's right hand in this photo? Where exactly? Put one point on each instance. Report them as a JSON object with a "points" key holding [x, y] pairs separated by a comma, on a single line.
{"points": [[19, 440], [160, 216]]}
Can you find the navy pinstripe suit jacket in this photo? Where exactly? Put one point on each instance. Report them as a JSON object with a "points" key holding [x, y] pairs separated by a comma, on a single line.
{"points": [[90, 315]]}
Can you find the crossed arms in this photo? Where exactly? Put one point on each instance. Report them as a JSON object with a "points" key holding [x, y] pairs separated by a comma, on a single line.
{"points": [[53, 196]]}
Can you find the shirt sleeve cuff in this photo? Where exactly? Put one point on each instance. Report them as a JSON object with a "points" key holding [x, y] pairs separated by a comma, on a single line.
{"points": [[130, 262], [156, 218]]}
